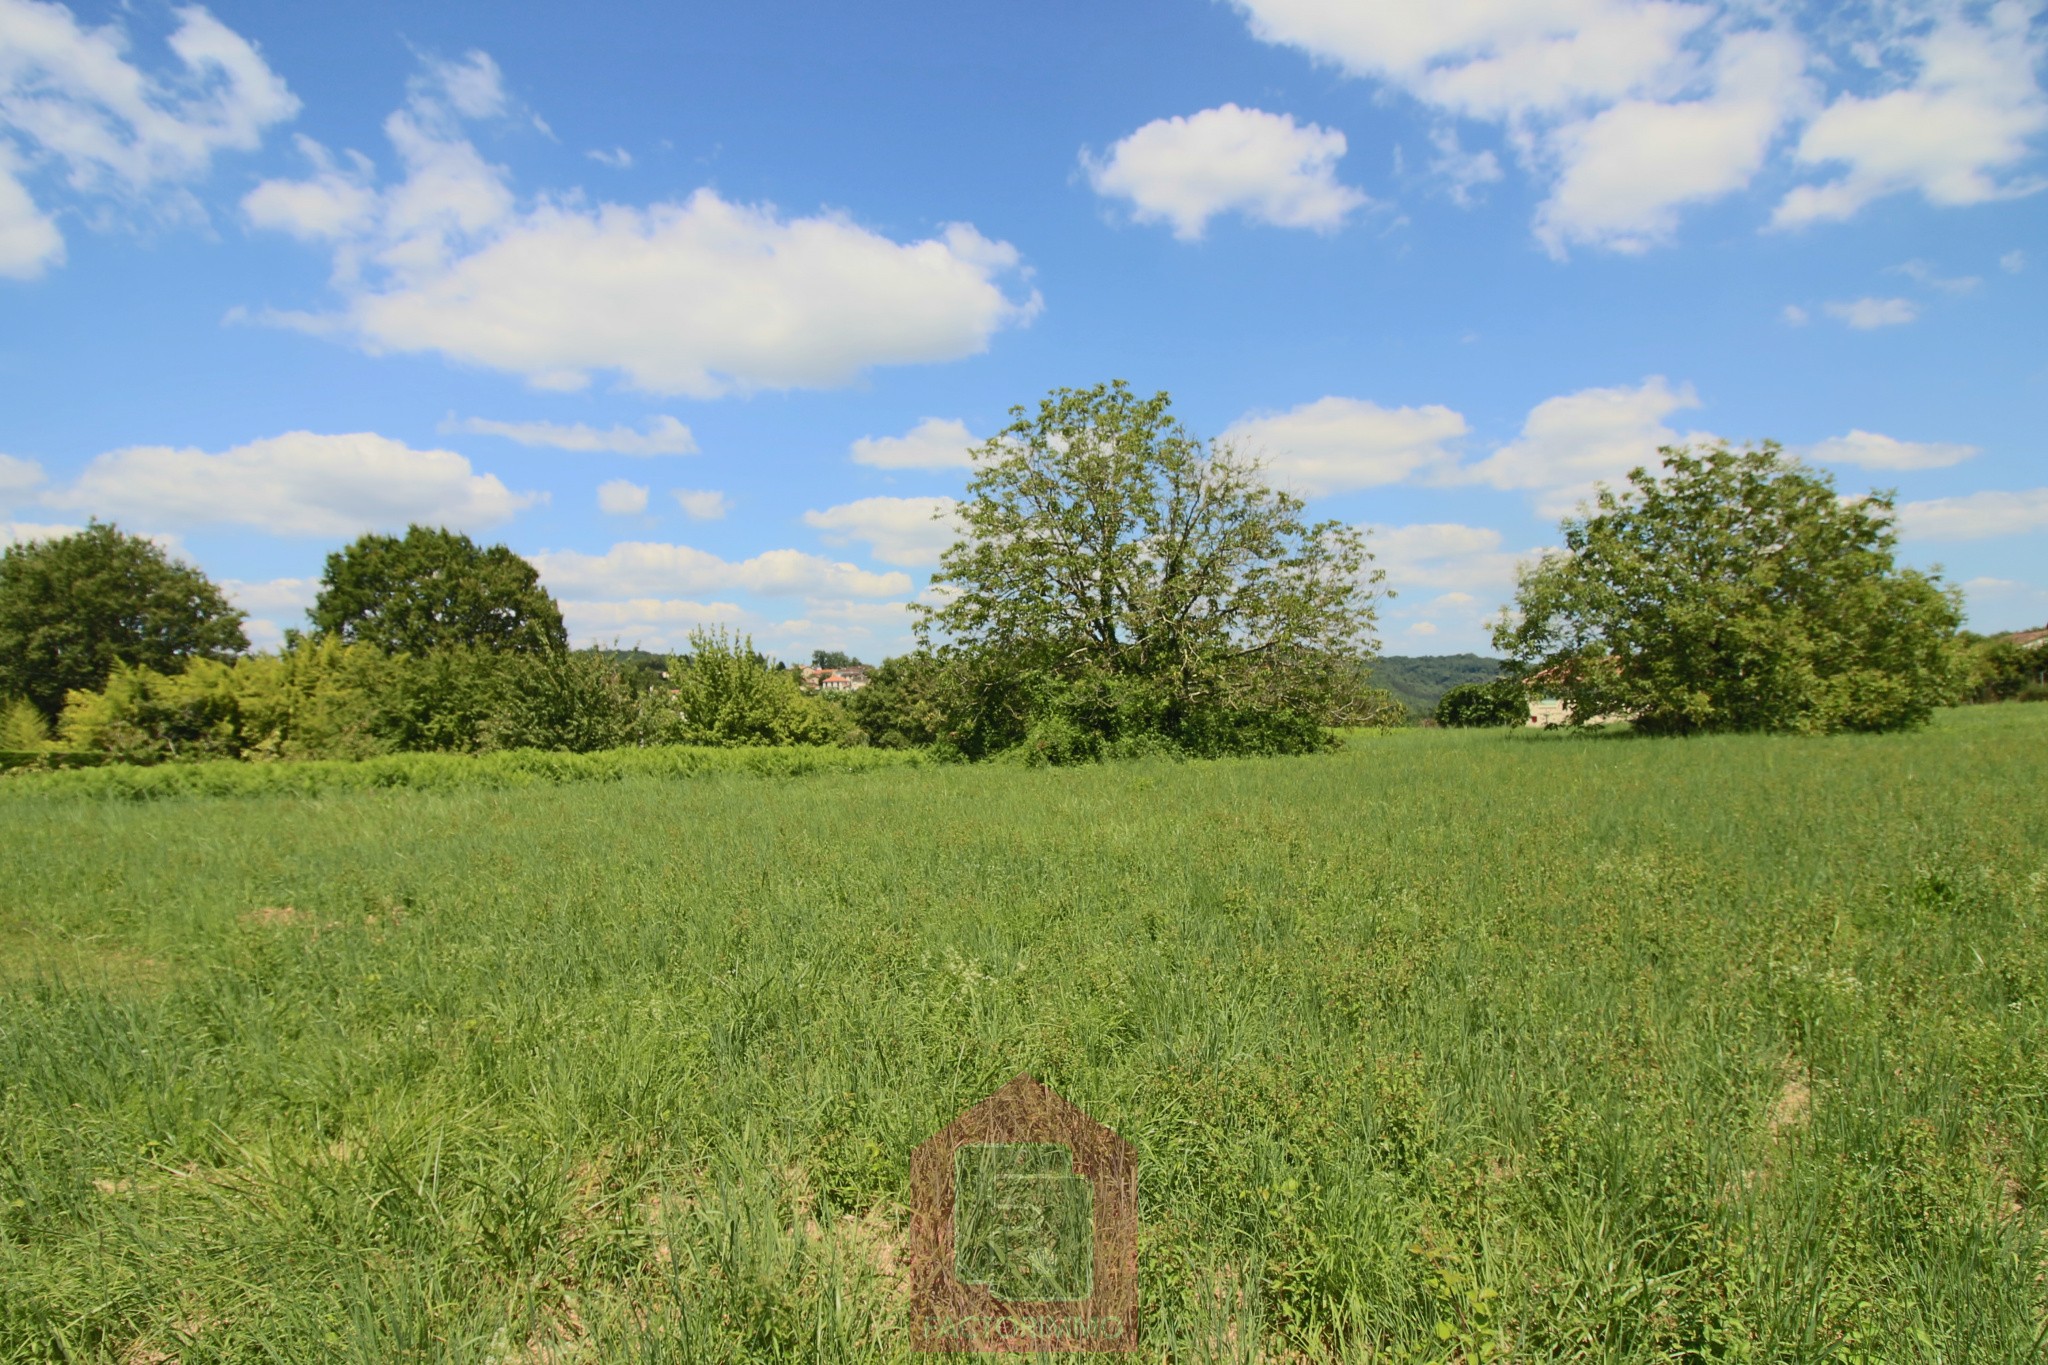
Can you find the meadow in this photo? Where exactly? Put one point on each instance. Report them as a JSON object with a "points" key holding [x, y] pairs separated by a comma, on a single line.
{"points": [[1447, 1047]]}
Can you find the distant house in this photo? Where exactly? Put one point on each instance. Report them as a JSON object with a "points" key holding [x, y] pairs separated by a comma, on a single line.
{"points": [[1546, 710], [851, 678], [2030, 639]]}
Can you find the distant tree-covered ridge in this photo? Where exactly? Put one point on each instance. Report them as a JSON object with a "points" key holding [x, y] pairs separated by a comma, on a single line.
{"points": [[1419, 681]]}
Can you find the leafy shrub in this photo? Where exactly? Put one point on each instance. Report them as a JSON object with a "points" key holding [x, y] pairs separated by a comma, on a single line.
{"points": [[22, 728], [723, 693], [1483, 705]]}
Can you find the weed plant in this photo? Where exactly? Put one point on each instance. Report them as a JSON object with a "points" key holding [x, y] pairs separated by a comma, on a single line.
{"points": [[1447, 1047]]}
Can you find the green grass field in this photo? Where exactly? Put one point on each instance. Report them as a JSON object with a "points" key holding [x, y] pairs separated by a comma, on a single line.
{"points": [[1447, 1047]]}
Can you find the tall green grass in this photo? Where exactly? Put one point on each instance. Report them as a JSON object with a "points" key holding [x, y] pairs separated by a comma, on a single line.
{"points": [[443, 772], [1447, 1047]]}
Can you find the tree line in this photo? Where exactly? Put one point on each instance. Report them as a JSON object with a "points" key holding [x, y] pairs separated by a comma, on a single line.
{"points": [[1119, 587]]}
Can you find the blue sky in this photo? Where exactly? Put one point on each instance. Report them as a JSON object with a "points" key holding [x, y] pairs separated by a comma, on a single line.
{"points": [[698, 307]]}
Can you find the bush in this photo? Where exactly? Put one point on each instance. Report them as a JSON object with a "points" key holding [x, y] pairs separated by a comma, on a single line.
{"points": [[1483, 705], [22, 728], [723, 693]]}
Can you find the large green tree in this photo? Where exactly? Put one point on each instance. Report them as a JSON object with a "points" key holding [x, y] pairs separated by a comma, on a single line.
{"points": [[1117, 578], [1735, 590], [435, 589], [74, 607]]}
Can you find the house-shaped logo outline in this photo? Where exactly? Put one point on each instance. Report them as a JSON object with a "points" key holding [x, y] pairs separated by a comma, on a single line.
{"points": [[950, 1315]]}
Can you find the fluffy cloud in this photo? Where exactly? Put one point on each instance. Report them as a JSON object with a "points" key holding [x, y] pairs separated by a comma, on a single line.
{"points": [[1185, 171], [702, 504], [1869, 450], [931, 444], [1625, 173], [74, 100], [906, 531], [299, 483], [271, 597], [22, 532], [1447, 577], [1630, 110], [645, 622], [1954, 132], [29, 240], [1460, 172], [1336, 444], [1489, 58], [1572, 442], [645, 569], [1977, 516], [1923, 273], [699, 297], [267, 603], [1451, 559], [1869, 314], [2013, 262], [18, 478], [621, 498], [663, 435], [875, 629]]}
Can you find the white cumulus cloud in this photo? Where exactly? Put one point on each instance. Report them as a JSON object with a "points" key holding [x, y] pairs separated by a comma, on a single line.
{"points": [[1448, 557], [1976, 516], [24, 532], [702, 297], [1868, 314], [1185, 171], [76, 102], [702, 504], [1335, 445], [1571, 442], [29, 240], [661, 435], [1629, 111], [1955, 132], [1625, 173], [269, 604], [934, 443], [906, 531], [298, 484], [1869, 450], [621, 498], [18, 478], [649, 569]]}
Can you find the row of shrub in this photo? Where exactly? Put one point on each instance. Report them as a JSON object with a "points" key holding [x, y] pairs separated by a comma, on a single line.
{"points": [[326, 699]]}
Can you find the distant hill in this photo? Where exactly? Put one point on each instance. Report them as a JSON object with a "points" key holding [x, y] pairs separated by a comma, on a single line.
{"points": [[1418, 680]]}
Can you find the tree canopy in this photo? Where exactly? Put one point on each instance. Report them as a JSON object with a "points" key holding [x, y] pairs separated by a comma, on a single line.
{"points": [[75, 607], [1487, 705], [1735, 590], [1118, 577], [435, 589]]}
